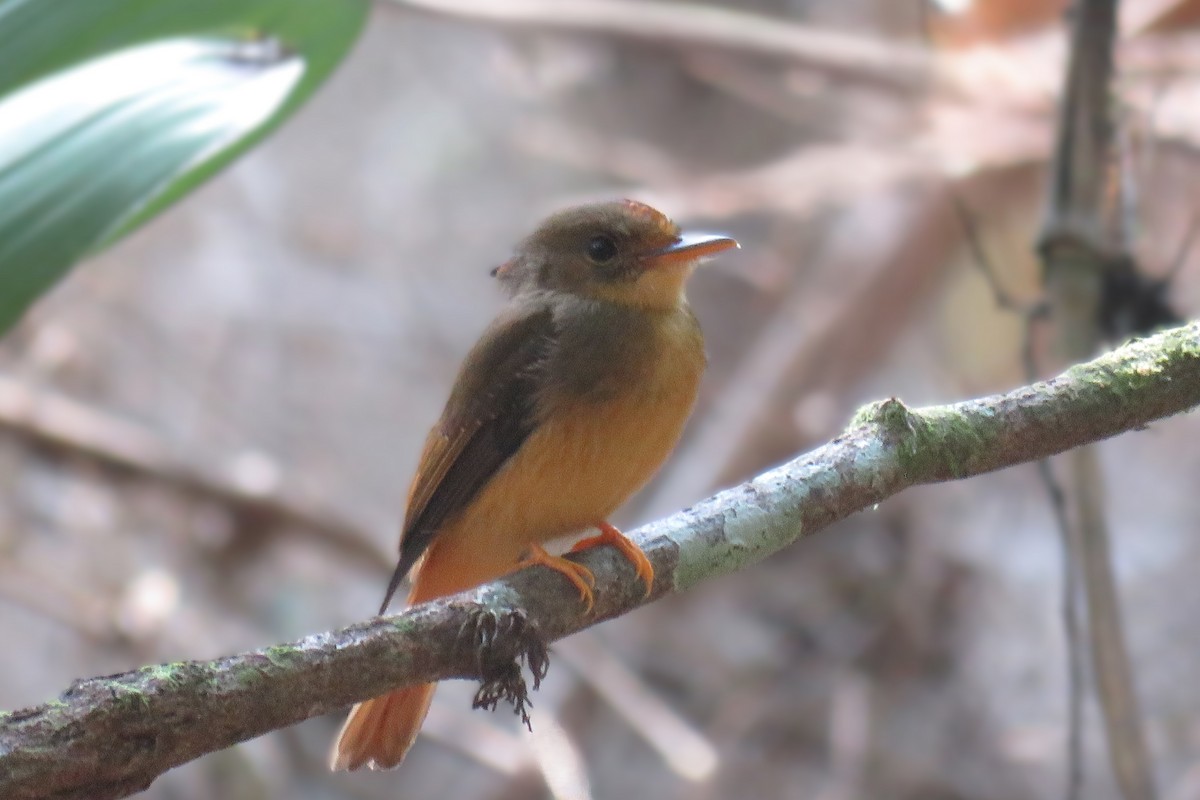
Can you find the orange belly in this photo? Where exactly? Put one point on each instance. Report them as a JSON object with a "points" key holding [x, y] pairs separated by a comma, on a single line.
{"points": [[574, 471]]}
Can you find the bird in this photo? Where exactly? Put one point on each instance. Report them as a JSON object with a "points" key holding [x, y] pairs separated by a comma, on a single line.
{"points": [[570, 401]]}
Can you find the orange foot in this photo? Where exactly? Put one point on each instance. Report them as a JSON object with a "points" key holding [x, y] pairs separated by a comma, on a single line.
{"points": [[577, 574], [610, 535]]}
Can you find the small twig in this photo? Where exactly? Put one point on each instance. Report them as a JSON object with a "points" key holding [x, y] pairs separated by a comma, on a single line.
{"points": [[1125, 185], [685, 750], [477, 737], [66, 425], [1083, 236], [925, 14], [979, 256], [1032, 314], [1162, 16], [849, 737], [1110, 656], [1184, 250], [759, 86], [85, 614], [798, 184], [688, 24], [1072, 634], [560, 762]]}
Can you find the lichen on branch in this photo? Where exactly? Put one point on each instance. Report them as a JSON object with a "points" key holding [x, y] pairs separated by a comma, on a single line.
{"points": [[111, 736]]}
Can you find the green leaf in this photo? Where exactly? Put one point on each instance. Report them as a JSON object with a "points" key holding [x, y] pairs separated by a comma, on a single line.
{"points": [[110, 110]]}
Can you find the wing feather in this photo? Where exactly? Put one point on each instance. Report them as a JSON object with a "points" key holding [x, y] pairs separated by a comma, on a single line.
{"points": [[491, 411]]}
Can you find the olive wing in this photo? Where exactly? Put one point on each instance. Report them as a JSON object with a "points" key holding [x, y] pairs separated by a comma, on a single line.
{"points": [[491, 411]]}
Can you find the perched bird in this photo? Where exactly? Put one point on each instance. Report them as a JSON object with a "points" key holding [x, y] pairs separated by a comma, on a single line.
{"points": [[567, 405]]}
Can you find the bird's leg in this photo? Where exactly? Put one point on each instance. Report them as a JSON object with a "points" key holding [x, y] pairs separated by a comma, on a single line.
{"points": [[610, 535], [578, 574]]}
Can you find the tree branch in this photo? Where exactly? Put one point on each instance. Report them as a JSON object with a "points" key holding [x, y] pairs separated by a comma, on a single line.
{"points": [[65, 425], [1084, 242], [111, 736], [870, 60]]}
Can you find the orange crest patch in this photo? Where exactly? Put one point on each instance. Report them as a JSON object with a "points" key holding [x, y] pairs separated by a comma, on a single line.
{"points": [[660, 220]]}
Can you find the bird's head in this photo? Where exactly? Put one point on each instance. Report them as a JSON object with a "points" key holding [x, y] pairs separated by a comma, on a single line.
{"points": [[623, 252]]}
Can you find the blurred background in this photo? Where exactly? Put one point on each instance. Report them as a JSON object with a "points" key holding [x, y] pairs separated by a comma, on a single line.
{"points": [[206, 433]]}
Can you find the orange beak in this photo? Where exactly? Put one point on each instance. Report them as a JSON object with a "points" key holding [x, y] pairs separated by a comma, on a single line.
{"points": [[690, 247]]}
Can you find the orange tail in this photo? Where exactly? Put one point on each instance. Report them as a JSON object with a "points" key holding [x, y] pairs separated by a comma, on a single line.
{"points": [[379, 731]]}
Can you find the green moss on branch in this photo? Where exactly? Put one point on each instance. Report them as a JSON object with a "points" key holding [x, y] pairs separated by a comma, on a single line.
{"points": [[109, 737]]}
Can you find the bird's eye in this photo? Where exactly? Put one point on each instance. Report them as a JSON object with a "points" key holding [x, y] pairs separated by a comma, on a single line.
{"points": [[601, 249]]}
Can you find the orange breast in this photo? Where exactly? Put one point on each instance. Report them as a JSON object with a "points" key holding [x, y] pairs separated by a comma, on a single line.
{"points": [[576, 469]]}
